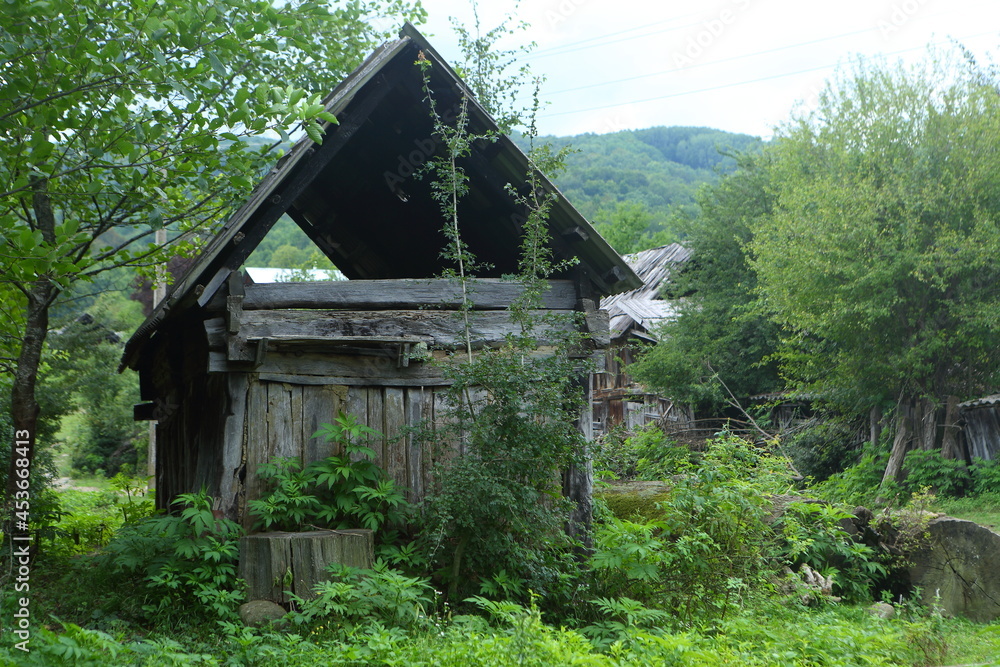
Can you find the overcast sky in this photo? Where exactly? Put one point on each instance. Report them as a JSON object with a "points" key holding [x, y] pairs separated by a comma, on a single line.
{"points": [[736, 65]]}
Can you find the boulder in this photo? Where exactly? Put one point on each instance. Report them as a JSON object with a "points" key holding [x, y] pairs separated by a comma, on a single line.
{"points": [[882, 610], [258, 613], [958, 568]]}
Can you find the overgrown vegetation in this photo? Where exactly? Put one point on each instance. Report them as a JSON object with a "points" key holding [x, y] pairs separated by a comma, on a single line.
{"points": [[736, 560], [346, 490]]}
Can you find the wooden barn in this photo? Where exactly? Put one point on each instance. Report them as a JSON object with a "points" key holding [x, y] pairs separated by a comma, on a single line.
{"points": [[633, 317], [980, 420], [235, 375]]}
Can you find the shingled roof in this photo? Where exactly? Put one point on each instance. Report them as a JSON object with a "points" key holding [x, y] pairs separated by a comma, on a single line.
{"points": [[641, 309], [357, 198]]}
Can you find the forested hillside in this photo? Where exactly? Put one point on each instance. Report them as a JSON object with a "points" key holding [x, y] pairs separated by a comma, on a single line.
{"points": [[659, 167]]}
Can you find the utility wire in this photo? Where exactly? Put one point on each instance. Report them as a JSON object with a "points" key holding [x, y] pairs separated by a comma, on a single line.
{"points": [[743, 83], [559, 50]]}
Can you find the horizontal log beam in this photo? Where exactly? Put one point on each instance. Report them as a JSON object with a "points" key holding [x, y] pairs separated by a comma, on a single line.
{"points": [[345, 369], [395, 294], [439, 328]]}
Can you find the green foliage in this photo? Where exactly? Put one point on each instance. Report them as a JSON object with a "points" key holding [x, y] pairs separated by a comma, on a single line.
{"points": [[860, 484], [826, 445], [647, 454], [927, 469], [718, 334], [174, 569], [877, 259], [85, 367], [87, 520], [813, 535], [708, 547], [985, 476], [380, 595], [630, 228], [620, 616], [346, 490]]}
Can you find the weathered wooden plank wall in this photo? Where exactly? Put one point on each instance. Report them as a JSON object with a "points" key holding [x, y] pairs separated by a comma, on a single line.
{"points": [[982, 431], [281, 417]]}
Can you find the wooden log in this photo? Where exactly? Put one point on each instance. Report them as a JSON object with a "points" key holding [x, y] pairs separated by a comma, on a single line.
{"points": [[274, 564], [339, 368], [440, 329], [394, 294]]}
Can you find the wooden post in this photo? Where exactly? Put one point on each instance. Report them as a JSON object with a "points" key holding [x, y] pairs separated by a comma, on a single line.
{"points": [[159, 293], [276, 564]]}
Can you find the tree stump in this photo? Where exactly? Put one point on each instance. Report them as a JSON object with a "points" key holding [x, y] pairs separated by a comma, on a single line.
{"points": [[274, 564]]}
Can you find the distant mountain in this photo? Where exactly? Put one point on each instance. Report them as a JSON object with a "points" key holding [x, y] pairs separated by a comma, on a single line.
{"points": [[659, 167]]}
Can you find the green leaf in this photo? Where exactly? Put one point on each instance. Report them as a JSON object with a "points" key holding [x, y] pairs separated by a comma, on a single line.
{"points": [[216, 64], [314, 132]]}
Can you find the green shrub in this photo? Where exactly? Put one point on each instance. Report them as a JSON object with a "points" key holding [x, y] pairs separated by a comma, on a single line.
{"points": [[861, 484], [347, 490], [647, 454], [709, 544], [812, 534], [927, 469], [985, 476], [357, 596], [174, 569]]}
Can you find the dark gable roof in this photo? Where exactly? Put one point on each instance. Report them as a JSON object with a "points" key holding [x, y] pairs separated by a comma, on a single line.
{"points": [[357, 197]]}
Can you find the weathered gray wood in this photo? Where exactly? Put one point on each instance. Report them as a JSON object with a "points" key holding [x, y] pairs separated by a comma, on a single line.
{"points": [[376, 421], [349, 369], [394, 415], [234, 310], [357, 403], [280, 420], [395, 294], [233, 444], [258, 444], [315, 380], [488, 328], [596, 322], [414, 402], [320, 405], [276, 563]]}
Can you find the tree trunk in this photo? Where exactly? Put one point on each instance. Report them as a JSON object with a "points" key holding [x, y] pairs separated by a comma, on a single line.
{"points": [[949, 440], [875, 425], [903, 440], [927, 434], [24, 405]]}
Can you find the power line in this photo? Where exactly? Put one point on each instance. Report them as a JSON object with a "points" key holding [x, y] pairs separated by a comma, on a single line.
{"points": [[583, 43], [743, 83], [707, 64]]}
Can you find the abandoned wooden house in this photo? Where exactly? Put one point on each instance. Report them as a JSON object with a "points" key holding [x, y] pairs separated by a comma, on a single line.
{"points": [[235, 375], [633, 318]]}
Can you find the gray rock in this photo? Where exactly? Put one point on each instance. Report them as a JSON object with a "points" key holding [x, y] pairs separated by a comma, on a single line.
{"points": [[257, 613], [959, 569], [882, 610]]}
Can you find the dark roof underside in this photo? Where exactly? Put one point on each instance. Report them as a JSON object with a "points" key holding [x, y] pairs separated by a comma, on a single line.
{"points": [[359, 198]]}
